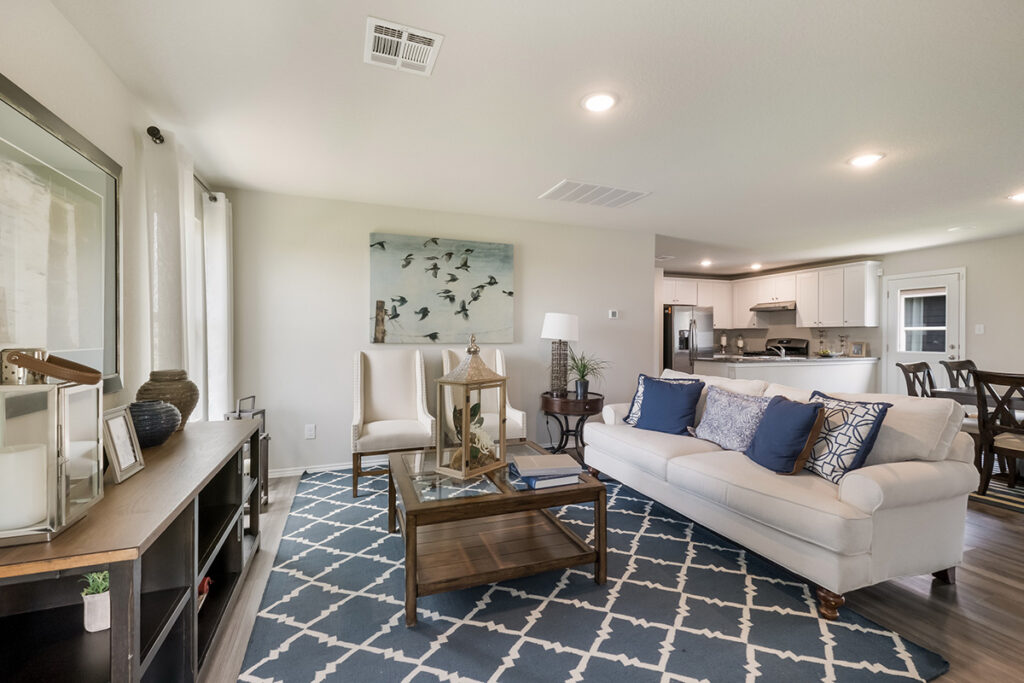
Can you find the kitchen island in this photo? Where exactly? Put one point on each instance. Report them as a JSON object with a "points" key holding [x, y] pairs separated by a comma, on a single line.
{"points": [[836, 374]]}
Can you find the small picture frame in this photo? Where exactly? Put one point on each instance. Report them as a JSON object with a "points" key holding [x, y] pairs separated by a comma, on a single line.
{"points": [[121, 444], [858, 349]]}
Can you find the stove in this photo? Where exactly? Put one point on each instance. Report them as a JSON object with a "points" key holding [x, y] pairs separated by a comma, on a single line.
{"points": [[795, 348]]}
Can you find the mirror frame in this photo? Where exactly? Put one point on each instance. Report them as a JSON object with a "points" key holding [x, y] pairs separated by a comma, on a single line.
{"points": [[31, 109]]}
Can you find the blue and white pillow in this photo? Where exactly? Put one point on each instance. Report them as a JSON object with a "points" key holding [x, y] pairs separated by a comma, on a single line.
{"points": [[847, 436], [730, 419], [638, 397]]}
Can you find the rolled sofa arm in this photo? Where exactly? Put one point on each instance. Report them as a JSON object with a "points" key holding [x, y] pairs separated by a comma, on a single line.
{"points": [[902, 484], [614, 413]]}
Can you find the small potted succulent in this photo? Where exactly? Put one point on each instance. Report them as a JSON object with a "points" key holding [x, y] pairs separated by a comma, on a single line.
{"points": [[96, 596], [583, 367]]}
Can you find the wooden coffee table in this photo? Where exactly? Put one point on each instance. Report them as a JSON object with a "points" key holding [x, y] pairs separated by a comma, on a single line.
{"points": [[460, 534]]}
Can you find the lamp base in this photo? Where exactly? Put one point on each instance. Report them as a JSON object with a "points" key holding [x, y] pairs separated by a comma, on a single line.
{"points": [[559, 368]]}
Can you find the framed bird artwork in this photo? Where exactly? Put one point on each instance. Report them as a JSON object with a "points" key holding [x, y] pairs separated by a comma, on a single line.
{"points": [[426, 289]]}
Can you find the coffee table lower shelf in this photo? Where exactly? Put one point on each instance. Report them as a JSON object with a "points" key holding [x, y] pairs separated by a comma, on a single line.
{"points": [[465, 553]]}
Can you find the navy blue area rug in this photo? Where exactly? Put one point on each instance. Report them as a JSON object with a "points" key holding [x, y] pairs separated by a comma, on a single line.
{"points": [[681, 604]]}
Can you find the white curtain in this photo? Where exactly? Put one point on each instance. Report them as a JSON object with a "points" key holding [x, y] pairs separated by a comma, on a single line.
{"points": [[190, 277]]}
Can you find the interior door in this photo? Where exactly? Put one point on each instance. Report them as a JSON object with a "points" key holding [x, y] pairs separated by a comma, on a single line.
{"points": [[922, 323]]}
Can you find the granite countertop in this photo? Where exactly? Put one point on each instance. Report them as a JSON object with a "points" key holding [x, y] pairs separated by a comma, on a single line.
{"points": [[746, 360]]}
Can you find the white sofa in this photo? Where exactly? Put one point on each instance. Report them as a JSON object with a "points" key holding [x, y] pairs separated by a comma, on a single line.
{"points": [[901, 514]]}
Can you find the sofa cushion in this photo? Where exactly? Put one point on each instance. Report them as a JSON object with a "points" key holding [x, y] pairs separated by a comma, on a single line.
{"points": [[847, 436], [804, 506], [787, 434], [731, 419], [914, 428], [753, 387], [646, 450], [669, 407], [393, 435], [636, 405]]}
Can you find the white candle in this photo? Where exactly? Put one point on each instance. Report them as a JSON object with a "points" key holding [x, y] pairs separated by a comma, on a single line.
{"points": [[22, 486]]}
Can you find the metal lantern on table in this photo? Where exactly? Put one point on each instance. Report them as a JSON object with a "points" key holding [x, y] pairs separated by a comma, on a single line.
{"points": [[473, 450]]}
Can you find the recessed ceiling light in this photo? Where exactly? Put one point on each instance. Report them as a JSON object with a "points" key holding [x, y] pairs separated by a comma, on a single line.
{"points": [[1019, 197], [756, 266], [599, 102], [865, 160], [706, 262]]}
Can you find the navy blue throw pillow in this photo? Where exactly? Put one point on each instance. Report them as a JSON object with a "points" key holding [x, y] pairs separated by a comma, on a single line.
{"points": [[669, 407], [785, 438]]}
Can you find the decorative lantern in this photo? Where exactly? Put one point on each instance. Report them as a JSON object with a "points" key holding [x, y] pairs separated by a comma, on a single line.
{"points": [[460, 394], [51, 458]]}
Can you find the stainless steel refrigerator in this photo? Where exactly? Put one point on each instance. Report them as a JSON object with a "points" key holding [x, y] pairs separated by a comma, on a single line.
{"points": [[688, 333]]}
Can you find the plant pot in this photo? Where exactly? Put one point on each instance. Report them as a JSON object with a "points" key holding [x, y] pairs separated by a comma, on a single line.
{"points": [[154, 421], [174, 387], [97, 612], [582, 389]]}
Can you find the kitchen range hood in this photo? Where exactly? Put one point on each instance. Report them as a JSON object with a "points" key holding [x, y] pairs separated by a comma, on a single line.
{"points": [[775, 306]]}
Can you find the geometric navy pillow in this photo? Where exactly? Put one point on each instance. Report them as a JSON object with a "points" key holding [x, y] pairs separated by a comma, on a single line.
{"points": [[847, 435], [638, 397], [669, 407]]}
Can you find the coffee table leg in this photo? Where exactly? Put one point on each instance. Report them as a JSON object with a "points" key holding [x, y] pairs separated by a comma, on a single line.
{"points": [[392, 527], [410, 570], [600, 539]]}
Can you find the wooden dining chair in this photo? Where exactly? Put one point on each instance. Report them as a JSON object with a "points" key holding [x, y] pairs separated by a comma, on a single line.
{"points": [[959, 372], [919, 378], [1002, 427]]}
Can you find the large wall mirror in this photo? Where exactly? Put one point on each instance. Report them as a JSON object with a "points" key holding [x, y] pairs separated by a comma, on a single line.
{"points": [[59, 214]]}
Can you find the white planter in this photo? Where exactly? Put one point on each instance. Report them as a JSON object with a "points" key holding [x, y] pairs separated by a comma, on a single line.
{"points": [[97, 612]]}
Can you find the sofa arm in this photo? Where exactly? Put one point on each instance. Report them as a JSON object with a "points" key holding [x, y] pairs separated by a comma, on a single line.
{"points": [[614, 413], [902, 484]]}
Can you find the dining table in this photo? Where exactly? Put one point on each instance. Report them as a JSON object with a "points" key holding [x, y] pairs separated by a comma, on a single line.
{"points": [[968, 396]]}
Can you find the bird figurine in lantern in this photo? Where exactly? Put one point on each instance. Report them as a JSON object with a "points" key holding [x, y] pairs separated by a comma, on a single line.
{"points": [[471, 450]]}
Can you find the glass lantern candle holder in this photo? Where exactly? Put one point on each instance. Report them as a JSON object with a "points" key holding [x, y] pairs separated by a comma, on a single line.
{"points": [[51, 458], [464, 448]]}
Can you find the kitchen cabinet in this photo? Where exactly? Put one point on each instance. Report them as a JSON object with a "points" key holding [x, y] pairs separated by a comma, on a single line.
{"points": [[721, 299], [843, 296], [745, 293], [830, 298], [776, 288], [705, 292], [861, 292], [807, 299], [679, 291]]}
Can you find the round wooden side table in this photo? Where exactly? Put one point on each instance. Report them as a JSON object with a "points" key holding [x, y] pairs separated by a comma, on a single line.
{"points": [[563, 409]]}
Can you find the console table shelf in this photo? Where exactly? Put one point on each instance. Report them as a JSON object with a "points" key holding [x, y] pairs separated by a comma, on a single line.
{"points": [[191, 513]]}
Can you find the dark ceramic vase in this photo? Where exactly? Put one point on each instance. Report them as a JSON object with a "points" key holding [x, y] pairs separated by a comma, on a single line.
{"points": [[154, 421], [172, 386], [582, 389]]}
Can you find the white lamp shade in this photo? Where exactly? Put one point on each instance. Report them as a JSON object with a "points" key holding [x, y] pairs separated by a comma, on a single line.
{"points": [[564, 326]]}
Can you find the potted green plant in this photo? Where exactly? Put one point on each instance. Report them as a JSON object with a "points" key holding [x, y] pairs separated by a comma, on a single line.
{"points": [[583, 367], [96, 596]]}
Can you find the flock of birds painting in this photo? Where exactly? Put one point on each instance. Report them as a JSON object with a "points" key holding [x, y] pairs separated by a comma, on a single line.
{"points": [[435, 264]]}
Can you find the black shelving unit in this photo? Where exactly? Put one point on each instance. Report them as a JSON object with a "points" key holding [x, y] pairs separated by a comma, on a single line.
{"points": [[158, 634]]}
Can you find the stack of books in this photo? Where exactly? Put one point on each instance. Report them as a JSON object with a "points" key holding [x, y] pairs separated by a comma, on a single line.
{"points": [[545, 471]]}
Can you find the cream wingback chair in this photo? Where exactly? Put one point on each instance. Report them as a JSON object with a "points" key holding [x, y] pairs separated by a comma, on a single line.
{"points": [[515, 420], [389, 408]]}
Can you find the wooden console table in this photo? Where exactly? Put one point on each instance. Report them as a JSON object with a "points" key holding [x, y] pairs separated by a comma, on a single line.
{"points": [[190, 514]]}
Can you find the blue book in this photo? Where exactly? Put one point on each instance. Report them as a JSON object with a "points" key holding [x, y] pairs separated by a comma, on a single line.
{"points": [[545, 481]]}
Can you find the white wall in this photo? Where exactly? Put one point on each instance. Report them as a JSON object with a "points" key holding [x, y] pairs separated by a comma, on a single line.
{"points": [[44, 56], [302, 308]]}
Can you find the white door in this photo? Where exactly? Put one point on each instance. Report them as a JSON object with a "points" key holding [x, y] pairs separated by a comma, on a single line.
{"points": [[923, 322]]}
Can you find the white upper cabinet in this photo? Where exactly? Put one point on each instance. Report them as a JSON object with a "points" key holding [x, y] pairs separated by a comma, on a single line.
{"points": [[842, 296], [721, 299], [745, 293], [784, 287], [705, 293], [807, 299], [679, 291]]}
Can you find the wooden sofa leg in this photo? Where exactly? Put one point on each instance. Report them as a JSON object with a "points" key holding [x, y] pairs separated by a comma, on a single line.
{"points": [[829, 603], [947, 576]]}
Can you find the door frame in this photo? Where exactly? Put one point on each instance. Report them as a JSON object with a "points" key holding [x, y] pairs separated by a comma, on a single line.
{"points": [[961, 273]]}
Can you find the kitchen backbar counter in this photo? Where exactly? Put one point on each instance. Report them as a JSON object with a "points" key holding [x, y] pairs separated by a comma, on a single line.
{"points": [[853, 375]]}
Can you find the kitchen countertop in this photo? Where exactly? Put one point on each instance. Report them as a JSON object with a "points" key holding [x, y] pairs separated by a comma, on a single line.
{"points": [[748, 360]]}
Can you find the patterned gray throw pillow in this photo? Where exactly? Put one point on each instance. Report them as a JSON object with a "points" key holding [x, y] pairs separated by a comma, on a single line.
{"points": [[730, 419]]}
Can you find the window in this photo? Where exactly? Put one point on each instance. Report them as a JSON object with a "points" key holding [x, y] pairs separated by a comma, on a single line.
{"points": [[923, 320]]}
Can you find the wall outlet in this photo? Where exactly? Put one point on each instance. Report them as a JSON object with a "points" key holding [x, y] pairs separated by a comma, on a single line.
{"points": [[613, 314], [311, 431], [979, 328]]}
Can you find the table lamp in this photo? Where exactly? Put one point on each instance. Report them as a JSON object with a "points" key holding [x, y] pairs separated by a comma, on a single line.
{"points": [[560, 328]]}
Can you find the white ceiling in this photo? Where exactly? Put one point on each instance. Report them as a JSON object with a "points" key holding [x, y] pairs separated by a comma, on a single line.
{"points": [[737, 116]]}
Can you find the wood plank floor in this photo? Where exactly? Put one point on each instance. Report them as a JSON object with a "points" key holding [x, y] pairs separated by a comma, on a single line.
{"points": [[978, 624]]}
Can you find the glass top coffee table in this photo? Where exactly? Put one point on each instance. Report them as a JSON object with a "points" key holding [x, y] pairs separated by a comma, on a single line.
{"points": [[490, 528]]}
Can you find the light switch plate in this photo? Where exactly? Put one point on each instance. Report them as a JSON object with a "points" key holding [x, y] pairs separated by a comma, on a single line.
{"points": [[613, 314], [311, 431], [979, 328]]}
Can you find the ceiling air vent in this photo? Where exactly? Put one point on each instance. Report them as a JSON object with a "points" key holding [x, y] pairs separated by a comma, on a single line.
{"points": [[400, 47], [578, 192]]}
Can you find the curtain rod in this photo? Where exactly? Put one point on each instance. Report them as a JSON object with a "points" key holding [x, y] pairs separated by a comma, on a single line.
{"points": [[206, 187], [158, 138]]}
